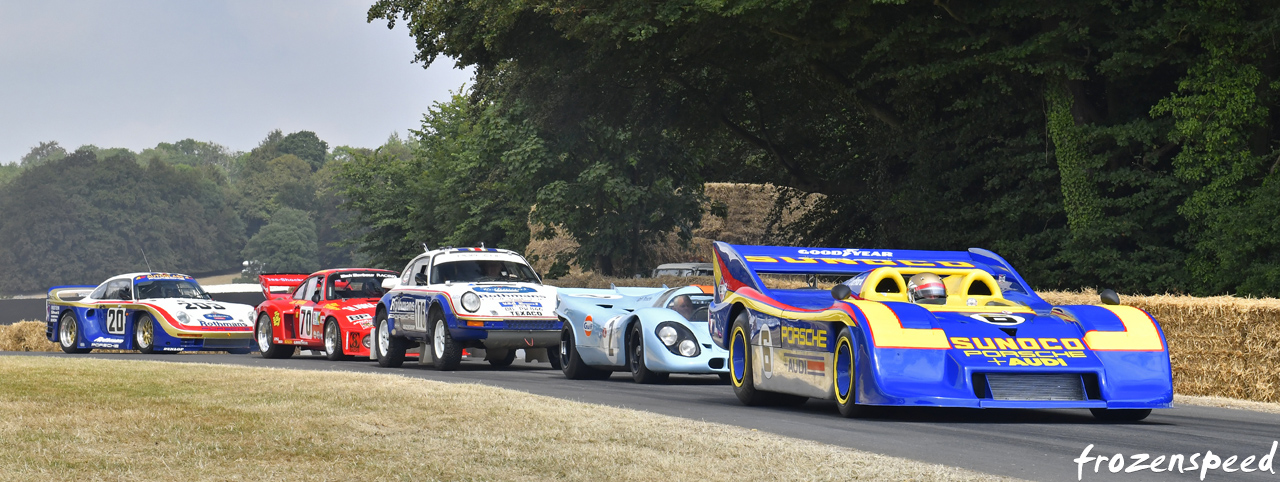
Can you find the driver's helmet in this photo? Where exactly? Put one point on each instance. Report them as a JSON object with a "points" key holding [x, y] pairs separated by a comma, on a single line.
{"points": [[926, 289]]}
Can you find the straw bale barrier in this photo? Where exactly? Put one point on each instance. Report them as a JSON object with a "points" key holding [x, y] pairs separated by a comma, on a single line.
{"points": [[25, 336]]}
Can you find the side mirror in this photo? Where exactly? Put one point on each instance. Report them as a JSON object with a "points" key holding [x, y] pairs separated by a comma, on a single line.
{"points": [[420, 278], [841, 292], [315, 297], [126, 295], [1109, 297], [389, 283]]}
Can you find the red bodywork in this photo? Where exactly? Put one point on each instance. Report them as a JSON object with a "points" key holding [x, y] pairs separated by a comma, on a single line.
{"points": [[300, 306]]}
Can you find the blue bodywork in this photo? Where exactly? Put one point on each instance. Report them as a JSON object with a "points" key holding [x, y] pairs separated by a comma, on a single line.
{"points": [[602, 342], [996, 348]]}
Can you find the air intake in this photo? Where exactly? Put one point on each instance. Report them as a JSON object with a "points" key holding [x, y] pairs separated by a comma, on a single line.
{"points": [[1035, 386]]}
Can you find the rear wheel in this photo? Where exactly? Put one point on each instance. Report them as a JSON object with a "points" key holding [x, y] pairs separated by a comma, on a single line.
{"points": [[266, 340], [333, 341], [571, 361], [144, 334], [845, 377], [389, 349], [69, 334], [1120, 415], [635, 352], [448, 355]]}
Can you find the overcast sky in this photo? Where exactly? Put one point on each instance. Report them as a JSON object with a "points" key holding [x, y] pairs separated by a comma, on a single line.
{"points": [[134, 73]]}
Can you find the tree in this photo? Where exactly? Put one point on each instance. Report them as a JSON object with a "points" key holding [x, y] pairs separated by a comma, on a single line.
{"points": [[42, 153], [306, 145], [286, 244], [80, 219], [1027, 127]]}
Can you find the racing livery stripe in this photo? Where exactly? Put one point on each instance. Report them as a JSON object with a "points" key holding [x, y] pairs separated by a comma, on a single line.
{"points": [[1140, 333]]}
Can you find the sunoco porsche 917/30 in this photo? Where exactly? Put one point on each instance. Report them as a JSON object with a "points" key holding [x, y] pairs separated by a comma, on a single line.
{"points": [[148, 312], [653, 332], [927, 328], [479, 299]]}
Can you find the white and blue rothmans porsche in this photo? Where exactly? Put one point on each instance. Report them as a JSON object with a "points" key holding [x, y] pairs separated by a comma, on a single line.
{"points": [[148, 312], [653, 332]]}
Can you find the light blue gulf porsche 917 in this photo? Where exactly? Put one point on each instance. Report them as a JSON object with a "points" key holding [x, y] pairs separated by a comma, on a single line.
{"points": [[652, 332], [927, 328]]}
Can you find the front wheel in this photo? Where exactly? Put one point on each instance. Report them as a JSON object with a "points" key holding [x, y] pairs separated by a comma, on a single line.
{"points": [[740, 363], [845, 377], [571, 361], [389, 349], [69, 334], [267, 346], [447, 353], [1120, 415], [333, 341], [635, 349]]}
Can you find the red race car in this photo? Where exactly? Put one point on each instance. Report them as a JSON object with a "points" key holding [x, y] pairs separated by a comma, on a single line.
{"points": [[330, 310]]}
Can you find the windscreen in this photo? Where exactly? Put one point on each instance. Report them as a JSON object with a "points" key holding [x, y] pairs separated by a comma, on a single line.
{"points": [[692, 307], [169, 288], [360, 284], [482, 270]]}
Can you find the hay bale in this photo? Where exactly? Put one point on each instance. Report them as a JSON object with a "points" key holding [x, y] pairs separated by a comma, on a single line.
{"points": [[25, 336], [1220, 346]]}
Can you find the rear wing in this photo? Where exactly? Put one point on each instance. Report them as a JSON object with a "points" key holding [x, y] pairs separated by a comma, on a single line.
{"points": [[68, 293], [277, 286], [740, 265]]}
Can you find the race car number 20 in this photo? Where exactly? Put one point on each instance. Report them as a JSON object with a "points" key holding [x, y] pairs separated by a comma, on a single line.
{"points": [[115, 321]]}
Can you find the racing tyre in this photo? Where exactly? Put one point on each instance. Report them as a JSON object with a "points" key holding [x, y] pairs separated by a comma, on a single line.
{"points": [[740, 363], [571, 362], [389, 349], [553, 359], [505, 361], [447, 353], [1120, 415], [845, 377], [144, 335], [69, 334], [333, 341], [635, 358], [266, 342]]}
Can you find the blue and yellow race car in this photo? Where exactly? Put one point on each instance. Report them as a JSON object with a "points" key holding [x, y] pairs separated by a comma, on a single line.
{"points": [[926, 328]]}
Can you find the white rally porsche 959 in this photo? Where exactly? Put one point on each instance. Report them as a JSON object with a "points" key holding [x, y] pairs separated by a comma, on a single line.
{"points": [[652, 332], [478, 299], [148, 312]]}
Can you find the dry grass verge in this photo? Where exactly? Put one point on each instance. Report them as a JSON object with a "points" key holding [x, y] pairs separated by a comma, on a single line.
{"points": [[66, 419]]}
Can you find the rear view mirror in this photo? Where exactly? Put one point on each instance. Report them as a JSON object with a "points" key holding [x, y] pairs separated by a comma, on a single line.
{"points": [[1109, 297], [390, 283], [841, 292]]}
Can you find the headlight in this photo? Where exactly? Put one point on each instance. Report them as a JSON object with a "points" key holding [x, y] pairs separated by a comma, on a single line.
{"points": [[688, 348], [470, 302], [182, 317], [679, 340], [250, 316], [668, 335], [366, 341]]}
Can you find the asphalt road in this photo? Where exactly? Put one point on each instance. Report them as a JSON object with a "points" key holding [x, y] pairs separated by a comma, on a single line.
{"points": [[1030, 444]]}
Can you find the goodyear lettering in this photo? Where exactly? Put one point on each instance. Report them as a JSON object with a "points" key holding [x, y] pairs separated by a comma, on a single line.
{"points": [[846, 252], [804, 337]]}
